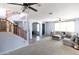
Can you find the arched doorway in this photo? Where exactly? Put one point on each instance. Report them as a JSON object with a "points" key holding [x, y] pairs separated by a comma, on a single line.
{"points": [[35, 29]]}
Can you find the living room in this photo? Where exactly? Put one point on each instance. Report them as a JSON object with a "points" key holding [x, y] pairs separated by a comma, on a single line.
{"points": [[61, 23], [52, 22]]}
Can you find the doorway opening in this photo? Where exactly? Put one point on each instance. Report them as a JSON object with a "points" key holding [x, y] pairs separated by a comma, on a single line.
{"points": [[43, 29], [35, 29]]}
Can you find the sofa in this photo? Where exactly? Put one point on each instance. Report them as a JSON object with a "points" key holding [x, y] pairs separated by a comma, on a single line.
{"points": [[69, 39]]}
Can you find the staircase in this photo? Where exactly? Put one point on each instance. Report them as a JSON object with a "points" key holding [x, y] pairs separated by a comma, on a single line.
{"points": [[7, 26], [12, 37]]}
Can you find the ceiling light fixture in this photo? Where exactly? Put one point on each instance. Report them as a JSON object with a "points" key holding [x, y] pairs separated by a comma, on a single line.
{"points": [[50, 13]]}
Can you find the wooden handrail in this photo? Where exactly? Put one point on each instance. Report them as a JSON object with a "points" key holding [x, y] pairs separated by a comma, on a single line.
{"points": [[7, 26]]}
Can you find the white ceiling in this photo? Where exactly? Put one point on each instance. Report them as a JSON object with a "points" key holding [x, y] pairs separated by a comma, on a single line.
{"points": [[59, 10]]}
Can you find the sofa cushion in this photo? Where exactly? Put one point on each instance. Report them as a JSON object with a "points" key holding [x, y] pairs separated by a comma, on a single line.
{"points": [[73, 37], [68, 35], [67, 39]]}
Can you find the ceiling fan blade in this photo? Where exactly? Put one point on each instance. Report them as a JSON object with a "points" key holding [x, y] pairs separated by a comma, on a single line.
{"points": [[16, 4], [32, 9], [31, 3]]}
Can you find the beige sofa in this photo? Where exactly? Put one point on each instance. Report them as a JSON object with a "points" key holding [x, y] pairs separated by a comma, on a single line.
{"points": [[69, 39]]}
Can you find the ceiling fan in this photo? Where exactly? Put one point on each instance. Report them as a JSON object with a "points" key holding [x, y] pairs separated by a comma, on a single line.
{"points": [[26, 5]]}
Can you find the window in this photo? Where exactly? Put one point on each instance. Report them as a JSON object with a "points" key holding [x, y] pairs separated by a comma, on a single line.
{"points": [[65, 26]]}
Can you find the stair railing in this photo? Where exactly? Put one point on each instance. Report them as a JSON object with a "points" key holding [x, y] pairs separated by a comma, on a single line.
{"points": [[7, 26]]}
